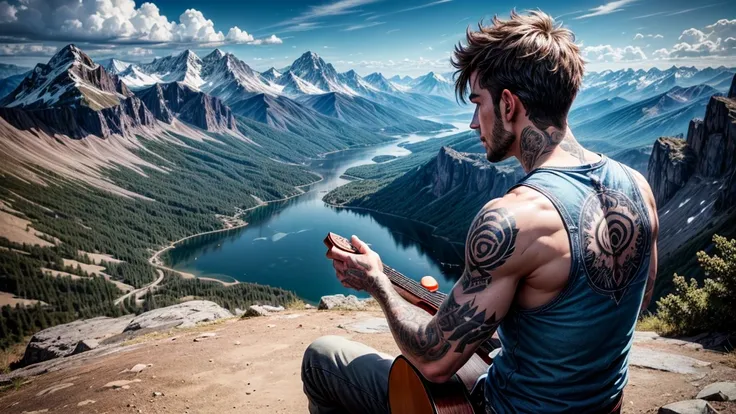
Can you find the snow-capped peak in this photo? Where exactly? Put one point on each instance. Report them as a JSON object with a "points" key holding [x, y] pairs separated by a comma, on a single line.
{"points": [[69, 55], [70, 78], [271, 74], [216, 54]]}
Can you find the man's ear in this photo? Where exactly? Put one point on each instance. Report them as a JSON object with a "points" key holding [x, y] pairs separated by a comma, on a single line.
{"points": [[508, 106]]}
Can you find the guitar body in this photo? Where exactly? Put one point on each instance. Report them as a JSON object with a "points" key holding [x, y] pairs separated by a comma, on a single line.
{"points": [[410, 393]]}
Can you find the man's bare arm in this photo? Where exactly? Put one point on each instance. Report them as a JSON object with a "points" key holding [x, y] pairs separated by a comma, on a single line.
{"points": [[648, 196], [439, 345]]}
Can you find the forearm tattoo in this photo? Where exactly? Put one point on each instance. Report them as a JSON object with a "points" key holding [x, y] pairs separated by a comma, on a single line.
{"points": [[431, 338], [491, 240], [415, 331]]}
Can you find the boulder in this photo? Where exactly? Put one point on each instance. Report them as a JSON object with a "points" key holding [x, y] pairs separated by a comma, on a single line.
{"points": [[63, 340], [183, 315], [719, 391], [341, 302], [255, 310], [85, 345], [665, 361], [138, 368], [270, 308], [688, 407]]}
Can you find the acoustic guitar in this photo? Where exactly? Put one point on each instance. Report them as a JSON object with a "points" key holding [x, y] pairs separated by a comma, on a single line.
{"points": [[408, 391]]}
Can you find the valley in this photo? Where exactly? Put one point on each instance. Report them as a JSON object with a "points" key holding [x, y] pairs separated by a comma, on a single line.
{"points": [[123, 158]]}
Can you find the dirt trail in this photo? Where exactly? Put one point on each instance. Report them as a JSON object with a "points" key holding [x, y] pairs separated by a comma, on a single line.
{"points": [[142, 291], [252, 366]]}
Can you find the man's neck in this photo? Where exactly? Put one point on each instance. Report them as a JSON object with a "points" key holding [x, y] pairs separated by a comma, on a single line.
{"points": [[538, 146]]}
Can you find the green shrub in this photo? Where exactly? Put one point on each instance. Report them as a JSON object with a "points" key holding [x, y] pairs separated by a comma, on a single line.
{"points": [[711, 308]]}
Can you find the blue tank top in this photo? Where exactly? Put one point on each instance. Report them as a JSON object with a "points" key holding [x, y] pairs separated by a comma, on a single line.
{"points": [[571, 355]]}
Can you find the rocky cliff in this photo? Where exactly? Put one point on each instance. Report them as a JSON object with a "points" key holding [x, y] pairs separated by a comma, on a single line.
{"points": [[446, 192], [670, 166], [79, 122], [72, 95], [694, 182], [709, 151], [176, 99]]}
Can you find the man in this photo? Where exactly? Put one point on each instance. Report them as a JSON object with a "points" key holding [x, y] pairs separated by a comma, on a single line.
{"points": [[560, 265]]}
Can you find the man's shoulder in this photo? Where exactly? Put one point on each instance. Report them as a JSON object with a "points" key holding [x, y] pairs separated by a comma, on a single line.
{"points": [[519, 220], [528, 208]]}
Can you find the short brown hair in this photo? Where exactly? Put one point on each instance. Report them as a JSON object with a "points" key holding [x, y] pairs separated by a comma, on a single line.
{"points": [[529, 55]]}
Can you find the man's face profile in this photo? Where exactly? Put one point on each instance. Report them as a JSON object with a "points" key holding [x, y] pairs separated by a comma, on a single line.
{"points": [[488, 124]]}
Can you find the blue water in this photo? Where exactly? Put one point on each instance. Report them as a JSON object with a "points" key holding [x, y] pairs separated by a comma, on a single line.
{"points": [[282, 244]]}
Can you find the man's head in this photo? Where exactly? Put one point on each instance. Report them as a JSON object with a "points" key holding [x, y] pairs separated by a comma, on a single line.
{"points": [[523, 70]]}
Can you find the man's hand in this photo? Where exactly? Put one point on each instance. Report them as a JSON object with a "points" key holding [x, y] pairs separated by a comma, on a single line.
{"points": [[362, 271]]}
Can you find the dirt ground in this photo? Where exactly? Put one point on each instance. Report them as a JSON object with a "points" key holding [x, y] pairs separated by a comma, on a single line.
{"points": [[252, 366]]}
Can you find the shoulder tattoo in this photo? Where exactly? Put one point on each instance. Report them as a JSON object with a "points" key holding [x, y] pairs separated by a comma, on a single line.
{"points": [[491, 241]]}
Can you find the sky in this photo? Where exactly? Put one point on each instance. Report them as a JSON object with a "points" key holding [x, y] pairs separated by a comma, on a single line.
{"points": [[409, 37]]}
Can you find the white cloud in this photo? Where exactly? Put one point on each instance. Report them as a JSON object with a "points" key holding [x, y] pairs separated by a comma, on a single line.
{"points": [[718, 39], [693, 35], [194, 27], [608, 8], [361, 26], [238, 36], [272, 40], [305, 22], [608, 53], [7, 12], [723, 28], [421, 6], [25, 49], [662, 53], [110, 22], [640, 36]]}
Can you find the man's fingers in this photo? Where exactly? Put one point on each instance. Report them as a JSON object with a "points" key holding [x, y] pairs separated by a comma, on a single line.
{"points": [[337, 254], [362, 247], [339, 266]]}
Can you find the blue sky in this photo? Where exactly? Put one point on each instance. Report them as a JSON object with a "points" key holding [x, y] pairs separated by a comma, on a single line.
{"points": [[407, 37]]}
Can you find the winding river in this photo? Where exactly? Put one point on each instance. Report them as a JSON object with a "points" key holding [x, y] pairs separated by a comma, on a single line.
{"points": [[282, 243]]}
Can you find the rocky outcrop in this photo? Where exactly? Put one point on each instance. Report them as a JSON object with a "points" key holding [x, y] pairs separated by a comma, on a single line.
{"points": [[688, 407], [79, 122], [718, 391], [63, 340], [175, 99], [469, 172], [88, 334], [714, 138], [154, 99], [446, 192], [262, 310], [341, 302], [183, 315], [709, 152], [69, 78], [671, 165], [71, 95]]}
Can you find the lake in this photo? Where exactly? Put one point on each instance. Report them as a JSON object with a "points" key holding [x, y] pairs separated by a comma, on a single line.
{"points": [[282, 244]]}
